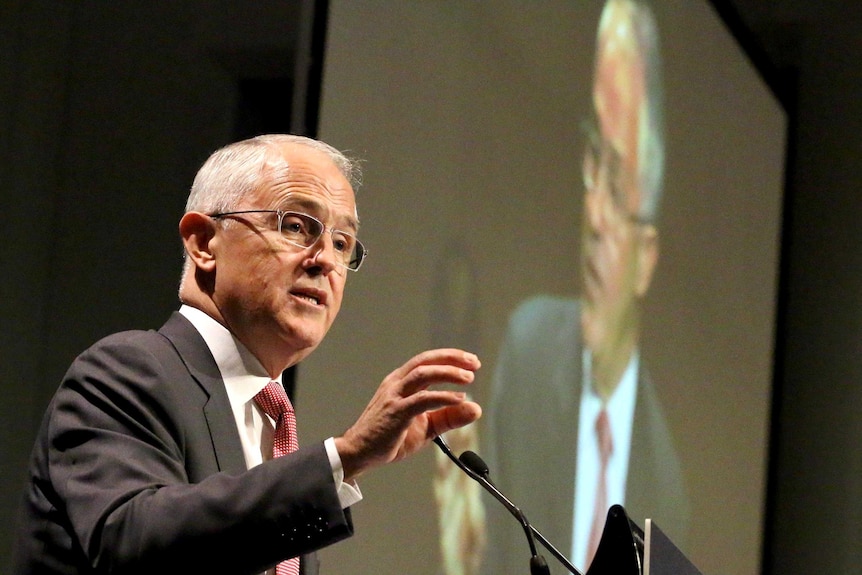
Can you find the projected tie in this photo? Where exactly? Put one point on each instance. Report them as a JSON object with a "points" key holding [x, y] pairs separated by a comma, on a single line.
{"points": [[606, 448], [274, 402]]}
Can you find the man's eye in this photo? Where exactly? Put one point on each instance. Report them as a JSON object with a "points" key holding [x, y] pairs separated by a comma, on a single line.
{"points": [[343, 242], [293, 225]]}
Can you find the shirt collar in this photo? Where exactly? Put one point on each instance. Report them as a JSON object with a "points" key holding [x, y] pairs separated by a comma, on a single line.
{"points": [[626, 387], [243, 374], [620, 405]]}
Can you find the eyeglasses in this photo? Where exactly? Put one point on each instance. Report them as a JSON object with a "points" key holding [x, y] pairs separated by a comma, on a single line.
{"points": [[304, 231], [602, 159]]}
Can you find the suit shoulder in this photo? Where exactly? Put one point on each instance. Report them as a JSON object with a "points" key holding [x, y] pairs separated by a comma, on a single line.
{"points": [[128, 337], [544, 313], [136, 342], [128, 356]]}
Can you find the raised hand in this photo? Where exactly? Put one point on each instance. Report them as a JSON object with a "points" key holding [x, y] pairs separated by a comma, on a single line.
{"points": [[407, 412]]}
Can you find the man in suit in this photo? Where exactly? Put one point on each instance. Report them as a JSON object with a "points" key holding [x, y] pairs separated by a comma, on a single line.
{"points": [[567, 364], [155, 456]]}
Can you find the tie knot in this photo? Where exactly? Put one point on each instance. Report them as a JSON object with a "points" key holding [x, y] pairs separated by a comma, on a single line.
{"points": [[603, 433], [273, 400]]}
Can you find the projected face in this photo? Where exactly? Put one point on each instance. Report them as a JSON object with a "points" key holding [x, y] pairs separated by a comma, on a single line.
{"points": [[617, 245]]}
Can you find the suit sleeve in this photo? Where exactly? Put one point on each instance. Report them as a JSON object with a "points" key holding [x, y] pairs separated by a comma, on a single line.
{"points": [[128, 460]]}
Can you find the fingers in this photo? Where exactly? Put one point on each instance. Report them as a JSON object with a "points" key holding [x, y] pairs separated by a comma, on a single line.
{"points": [[452, 356], [447, 409], [435, 367], [452, 417], [406, 412]]}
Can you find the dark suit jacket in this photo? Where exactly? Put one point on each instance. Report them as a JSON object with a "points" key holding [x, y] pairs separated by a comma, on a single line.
{"points": [[138, 468], [533, 438]]}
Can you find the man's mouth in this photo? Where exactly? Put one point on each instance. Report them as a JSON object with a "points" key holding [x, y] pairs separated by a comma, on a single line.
{"points": [[311, 296]]}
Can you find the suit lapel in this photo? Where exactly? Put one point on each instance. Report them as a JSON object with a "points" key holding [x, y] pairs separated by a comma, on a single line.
{"points": [[564, 377], [217, 410], [570, 379]]}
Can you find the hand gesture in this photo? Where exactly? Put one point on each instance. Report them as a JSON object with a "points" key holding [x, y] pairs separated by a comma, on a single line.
{"points": [[407, 412]]}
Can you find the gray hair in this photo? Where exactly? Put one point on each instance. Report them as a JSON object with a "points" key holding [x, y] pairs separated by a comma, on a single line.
{"points": [[651, 133], [235, 170]]}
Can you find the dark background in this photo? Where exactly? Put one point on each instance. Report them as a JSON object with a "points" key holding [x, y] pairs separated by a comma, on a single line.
{"points": [[108, 110]]}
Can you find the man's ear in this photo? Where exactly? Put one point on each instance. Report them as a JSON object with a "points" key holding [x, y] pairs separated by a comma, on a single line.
{"points": [[197, 231], [647, 258]]}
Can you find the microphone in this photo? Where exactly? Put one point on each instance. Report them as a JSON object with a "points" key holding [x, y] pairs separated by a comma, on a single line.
{"points": [[477, 465], [476, 468]]}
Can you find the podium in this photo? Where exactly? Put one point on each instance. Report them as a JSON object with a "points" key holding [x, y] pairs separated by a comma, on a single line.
{"points": [[626, 549]]}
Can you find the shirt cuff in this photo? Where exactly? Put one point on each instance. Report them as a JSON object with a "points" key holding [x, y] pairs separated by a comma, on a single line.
{"points": [[348, 493]]}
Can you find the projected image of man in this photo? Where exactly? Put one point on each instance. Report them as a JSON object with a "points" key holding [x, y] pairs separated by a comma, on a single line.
{"points": [[574, 423]]}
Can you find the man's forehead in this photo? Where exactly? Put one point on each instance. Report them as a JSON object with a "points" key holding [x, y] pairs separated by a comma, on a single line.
{"points": [[618, 97], [619, 68], [307, 180]]}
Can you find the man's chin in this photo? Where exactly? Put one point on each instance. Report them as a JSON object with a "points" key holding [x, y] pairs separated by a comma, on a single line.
{"points": [[302, 338]]}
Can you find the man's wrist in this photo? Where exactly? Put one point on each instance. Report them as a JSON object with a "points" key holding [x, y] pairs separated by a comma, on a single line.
{"points": [[348, 491]]}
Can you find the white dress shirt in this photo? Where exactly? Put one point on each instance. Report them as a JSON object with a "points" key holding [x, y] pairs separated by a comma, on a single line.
{"points": [[620, 409]]}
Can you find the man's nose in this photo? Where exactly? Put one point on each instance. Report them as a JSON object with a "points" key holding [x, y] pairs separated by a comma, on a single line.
{"points": [[323, 253]]}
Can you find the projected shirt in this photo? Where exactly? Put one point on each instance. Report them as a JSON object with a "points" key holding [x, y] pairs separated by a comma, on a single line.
{"points": [[620, 409]]}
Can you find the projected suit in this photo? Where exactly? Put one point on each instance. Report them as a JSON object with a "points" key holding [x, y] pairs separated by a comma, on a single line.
{"points": [[533, 427]]}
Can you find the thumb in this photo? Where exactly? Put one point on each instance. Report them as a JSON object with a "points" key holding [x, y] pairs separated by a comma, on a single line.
{"points": [[452, 417]]}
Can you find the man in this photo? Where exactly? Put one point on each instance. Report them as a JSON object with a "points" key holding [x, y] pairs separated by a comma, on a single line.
{"points": [[156, 455], [570, 381]]}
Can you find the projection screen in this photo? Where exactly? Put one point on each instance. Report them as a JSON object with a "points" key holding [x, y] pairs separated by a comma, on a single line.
{"points": [[485, 171]]}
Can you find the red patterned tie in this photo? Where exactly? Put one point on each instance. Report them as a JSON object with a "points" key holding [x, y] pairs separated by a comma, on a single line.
{"points": [[606, 448], [274, 402]]}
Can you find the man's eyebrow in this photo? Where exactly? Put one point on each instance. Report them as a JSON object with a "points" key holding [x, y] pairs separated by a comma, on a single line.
{"points": [[308, 204], [351, 222], [316, 208]]}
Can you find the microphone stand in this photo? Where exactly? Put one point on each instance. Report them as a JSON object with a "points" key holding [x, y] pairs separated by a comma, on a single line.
{"points": [[538, 566]]}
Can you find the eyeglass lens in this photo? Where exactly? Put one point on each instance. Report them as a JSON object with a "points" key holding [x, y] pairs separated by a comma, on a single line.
{"points": [[304, 231]]}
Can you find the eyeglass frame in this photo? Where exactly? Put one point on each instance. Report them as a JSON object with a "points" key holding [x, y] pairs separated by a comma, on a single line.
{"points": [[359, 248], [595, 149]]}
